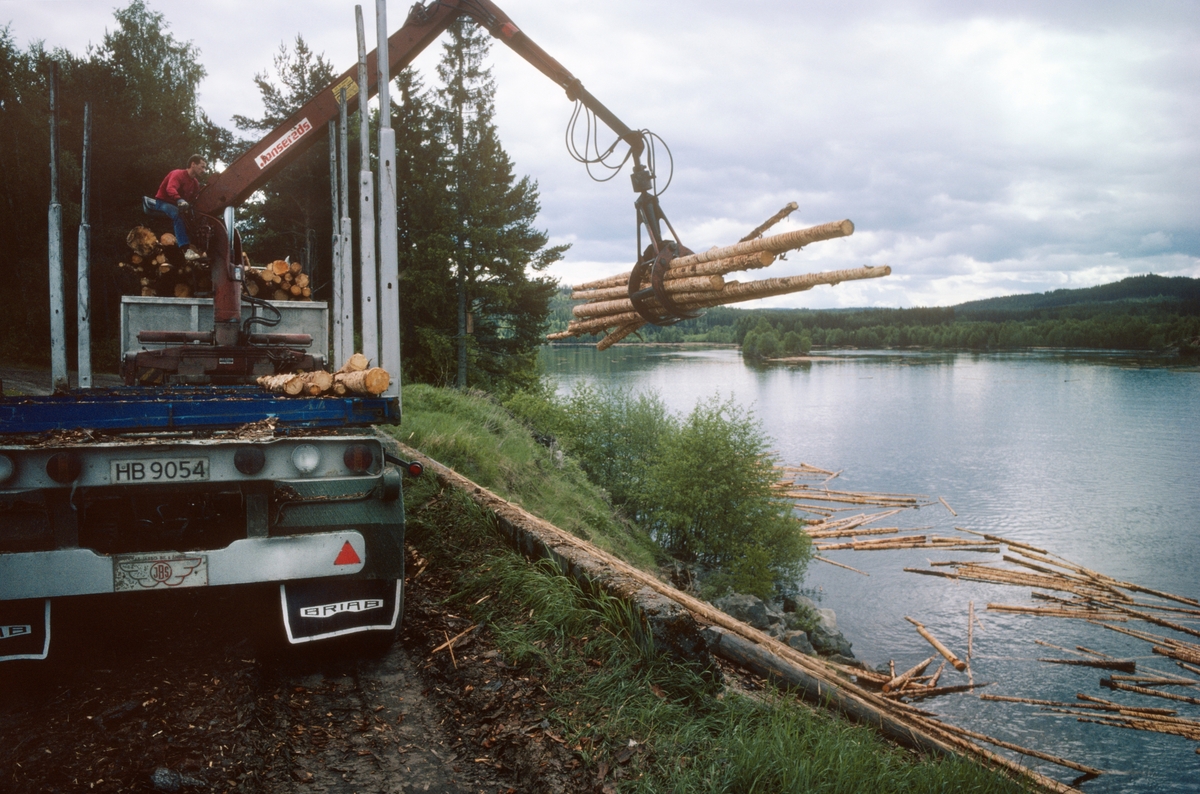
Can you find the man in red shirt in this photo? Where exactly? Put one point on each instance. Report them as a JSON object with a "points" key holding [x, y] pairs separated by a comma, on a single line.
{"points": [[176, 193]]}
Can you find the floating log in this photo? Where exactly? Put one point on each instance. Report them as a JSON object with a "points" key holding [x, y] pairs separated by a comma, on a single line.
{"points": [[938, 675], [929, 692], [1096, 704], [1145, 725], [1125, 666], [1143, 680], [1121, 707], [1050, 612], [838, 564], [959, 664], [898, 682], [1108, 683], [1167, 624], [1005, 541], [1087, 770]]}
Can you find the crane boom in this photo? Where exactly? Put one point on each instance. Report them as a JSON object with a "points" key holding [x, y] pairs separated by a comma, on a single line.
{"points": [[425, 23]]}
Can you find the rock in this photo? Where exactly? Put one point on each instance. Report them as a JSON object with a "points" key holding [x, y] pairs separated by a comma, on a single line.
{"points": [[799, 641], [164, 779], [828, 642], [827, 618], [798, 603], [747, 608]]}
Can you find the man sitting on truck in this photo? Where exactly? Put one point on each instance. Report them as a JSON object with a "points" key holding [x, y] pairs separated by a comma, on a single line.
{"points": [[175, 196]]}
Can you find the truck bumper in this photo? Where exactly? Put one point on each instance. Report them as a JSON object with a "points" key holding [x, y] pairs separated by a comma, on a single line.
{"points": [[70, 572]]}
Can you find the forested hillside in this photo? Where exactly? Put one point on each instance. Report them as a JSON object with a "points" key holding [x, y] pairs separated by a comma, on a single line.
{"points": [[1138, 313]]}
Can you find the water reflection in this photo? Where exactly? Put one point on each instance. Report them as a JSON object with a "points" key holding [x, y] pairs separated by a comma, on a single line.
{"points": [[1094, 456]]}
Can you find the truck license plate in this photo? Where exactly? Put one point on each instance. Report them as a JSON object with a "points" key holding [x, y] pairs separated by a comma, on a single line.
{"points": [[158, 470], [159, 571]]}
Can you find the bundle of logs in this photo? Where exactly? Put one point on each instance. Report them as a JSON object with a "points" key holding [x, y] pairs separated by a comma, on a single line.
{"points": [[697, 281], [356, 376], [279, 281], [157, 267]]}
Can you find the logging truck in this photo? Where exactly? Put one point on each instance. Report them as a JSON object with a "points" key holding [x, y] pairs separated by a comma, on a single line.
{"points": [[193, 475]]}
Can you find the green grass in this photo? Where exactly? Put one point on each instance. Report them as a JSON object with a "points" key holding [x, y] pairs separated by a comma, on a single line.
{"points": [[692, 735], [474, 435]]}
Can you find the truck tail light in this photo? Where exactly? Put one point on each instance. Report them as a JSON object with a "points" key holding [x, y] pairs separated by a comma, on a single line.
{"points": [[306, 458], [249, 460], [64, 467], [7, 468], [358, 458]]}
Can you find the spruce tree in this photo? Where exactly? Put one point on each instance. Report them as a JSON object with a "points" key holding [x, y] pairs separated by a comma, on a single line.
{"points": [[425, 237], [501, 310], [292, 216]]}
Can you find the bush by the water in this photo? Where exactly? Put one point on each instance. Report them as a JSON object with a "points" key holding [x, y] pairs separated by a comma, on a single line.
{"points": [[699, 485]]}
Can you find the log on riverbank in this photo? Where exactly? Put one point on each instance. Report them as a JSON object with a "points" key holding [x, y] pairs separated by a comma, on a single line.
{"points": [[673, 612]]}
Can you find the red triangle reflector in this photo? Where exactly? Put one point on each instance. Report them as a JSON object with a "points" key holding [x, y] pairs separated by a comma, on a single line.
{"points": [[347, 556]]}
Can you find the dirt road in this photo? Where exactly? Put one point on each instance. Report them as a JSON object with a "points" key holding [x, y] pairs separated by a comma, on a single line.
{"points": [[185, 691]]}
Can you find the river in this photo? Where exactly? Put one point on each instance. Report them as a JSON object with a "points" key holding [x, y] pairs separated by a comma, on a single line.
{"points": [[1093, 456]]}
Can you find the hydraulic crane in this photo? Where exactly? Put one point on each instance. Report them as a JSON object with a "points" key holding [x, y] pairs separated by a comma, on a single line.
{"points": [[230, 353]]}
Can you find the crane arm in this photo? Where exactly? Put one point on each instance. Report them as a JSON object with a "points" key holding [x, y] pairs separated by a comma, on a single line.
{"points": [[425, 23]]}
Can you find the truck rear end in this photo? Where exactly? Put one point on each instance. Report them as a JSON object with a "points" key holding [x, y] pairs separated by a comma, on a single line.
{"points": [[177, 488]]}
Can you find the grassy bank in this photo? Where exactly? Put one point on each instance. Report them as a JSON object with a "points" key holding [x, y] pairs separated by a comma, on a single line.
{"points": [[658, 726]]}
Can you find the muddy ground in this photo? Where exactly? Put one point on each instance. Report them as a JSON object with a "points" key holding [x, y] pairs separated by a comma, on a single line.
{"points": [[193, 692]]}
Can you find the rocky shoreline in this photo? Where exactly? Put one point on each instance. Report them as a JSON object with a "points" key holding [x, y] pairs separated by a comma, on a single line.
{"points": [[795, 621]]}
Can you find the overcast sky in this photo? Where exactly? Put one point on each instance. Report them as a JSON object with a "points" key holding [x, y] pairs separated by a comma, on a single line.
{"points": [[981, 148]]}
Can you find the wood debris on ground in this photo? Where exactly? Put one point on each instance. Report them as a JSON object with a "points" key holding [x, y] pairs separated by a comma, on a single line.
{"points": [[695, 281]]}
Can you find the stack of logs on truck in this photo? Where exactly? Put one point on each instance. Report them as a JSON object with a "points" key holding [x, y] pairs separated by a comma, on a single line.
{"points": [[157, 267]]}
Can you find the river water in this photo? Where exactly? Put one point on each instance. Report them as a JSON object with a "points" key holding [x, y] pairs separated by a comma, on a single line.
{"points": [[1092, 456]]}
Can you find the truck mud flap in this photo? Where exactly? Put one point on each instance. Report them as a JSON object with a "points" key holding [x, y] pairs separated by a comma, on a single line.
{"points": [[322, 608], [24, 629]]}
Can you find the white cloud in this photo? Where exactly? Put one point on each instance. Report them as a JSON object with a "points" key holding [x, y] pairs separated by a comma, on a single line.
{"points": [[981, 149]]}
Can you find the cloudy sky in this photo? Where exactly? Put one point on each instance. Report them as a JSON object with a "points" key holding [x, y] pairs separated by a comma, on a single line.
{"points": [[981, 148]]}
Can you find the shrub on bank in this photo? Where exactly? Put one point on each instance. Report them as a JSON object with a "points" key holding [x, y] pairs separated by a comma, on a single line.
{"points": [[699, 485]]}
